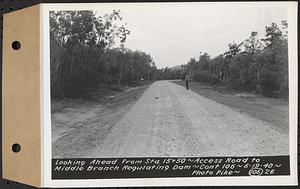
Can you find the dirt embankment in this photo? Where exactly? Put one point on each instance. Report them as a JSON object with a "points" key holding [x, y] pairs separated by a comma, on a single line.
{"points": [[78, 125], [270, 110]]}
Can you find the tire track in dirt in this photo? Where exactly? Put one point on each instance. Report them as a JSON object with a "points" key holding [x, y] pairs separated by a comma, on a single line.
{"points": [[170, 121], [79, 126]]}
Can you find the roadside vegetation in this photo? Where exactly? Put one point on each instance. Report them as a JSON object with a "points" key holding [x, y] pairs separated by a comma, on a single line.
{"points": [[88, 55], [270, 110], [253, 65]]}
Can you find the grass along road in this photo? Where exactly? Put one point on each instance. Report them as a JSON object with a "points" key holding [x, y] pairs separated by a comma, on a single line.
{"points": [[270, 110], [168, 120]]}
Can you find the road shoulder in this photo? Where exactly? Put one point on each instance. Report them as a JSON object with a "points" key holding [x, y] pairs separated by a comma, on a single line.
{"points": [[270, 110]]}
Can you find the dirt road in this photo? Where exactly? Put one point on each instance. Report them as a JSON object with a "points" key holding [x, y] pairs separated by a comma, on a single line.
{"points": [[79, 126], [168, 120]]}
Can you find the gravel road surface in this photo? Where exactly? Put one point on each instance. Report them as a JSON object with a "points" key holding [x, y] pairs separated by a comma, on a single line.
{"points": [[168, 120]]}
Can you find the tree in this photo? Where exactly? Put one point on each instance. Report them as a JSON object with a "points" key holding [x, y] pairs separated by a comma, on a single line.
{"points": [[234, 49], [273, 36], [252, 44], [261, 67], [79, 42], [274, 62], [204, 60], [192, 64]]}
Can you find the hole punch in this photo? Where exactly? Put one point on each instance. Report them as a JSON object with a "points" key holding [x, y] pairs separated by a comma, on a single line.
{"points": [[16, 45], [16, 147]]}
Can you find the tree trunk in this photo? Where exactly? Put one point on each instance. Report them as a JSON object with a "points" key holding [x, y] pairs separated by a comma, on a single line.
{"points": [[191, 75], [120, 76], [258, 85], [132, 72]]}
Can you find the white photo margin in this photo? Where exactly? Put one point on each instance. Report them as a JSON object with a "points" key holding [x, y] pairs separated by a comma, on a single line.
{"points": [[46, 166]]}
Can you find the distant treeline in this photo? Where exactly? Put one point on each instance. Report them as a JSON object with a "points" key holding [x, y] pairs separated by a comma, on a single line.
{"points": [[87, 53], [84, 56], [254, 65]]}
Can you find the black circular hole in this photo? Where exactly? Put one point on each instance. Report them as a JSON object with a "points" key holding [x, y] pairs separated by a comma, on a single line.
{"points": [[16, 45], [16, 147]]}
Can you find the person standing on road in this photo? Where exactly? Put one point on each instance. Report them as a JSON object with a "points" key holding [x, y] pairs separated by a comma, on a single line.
{"points": [[187, 81]]}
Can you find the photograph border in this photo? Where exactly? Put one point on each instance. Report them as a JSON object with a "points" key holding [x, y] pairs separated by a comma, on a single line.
{"points": [[177, 181]]}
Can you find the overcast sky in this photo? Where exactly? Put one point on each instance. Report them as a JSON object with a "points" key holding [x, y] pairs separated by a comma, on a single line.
{"points": [[173, 33]]}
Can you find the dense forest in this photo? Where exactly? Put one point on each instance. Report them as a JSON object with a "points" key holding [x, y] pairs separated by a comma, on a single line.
{"points": [[88, 53], [254, 65]]}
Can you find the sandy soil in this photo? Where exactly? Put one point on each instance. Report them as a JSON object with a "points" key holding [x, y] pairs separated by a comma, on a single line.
{"points": [[168, 120], [79, 126]]}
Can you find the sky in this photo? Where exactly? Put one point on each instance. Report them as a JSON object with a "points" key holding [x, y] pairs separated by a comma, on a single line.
{"points": [[174, 33]]}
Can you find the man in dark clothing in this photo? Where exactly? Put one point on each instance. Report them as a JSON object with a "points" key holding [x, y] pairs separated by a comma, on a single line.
{"points": [[187, 81]]}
